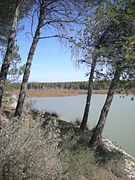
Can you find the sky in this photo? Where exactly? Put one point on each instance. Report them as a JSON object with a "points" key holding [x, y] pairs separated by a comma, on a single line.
{"points": [[52, 60]]}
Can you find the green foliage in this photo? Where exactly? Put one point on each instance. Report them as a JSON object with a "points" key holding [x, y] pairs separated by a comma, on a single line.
{"points": [[109, 32], [120, 20], [62, 85], [6, 16], [97, 85], [16, 69]]}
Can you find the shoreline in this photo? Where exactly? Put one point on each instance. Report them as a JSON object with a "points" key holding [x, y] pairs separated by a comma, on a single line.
{"points": [[32, 93], [129, 159], [53, 93], [128, 163], [59, 92]]}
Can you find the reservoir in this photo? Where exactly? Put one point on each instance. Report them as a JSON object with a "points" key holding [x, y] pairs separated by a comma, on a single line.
{"points": [[120, 124]]}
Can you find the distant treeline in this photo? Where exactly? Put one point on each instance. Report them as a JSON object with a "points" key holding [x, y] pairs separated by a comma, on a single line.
{"points": [[81, 85]]}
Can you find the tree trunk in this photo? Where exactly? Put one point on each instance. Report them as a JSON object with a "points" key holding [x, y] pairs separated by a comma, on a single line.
{"points": [[24, 84], [90, 86], [89, 94], [8, 55], [97, 134]]}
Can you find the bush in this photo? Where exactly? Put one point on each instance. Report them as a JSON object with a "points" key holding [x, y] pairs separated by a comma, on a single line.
{"points": [[77, 159], [29, 151], [46, 148]]}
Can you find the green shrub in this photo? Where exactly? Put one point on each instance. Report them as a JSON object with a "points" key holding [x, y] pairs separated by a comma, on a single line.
{"points": [[29, 151]]}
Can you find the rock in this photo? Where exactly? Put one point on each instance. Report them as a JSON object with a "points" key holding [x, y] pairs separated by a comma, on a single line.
{"points": [[13, 101], [130, 168], [129, 160], [3, 122]]}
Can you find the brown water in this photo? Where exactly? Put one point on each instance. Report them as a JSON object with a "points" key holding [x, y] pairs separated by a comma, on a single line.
{"points": [[120, 125]]}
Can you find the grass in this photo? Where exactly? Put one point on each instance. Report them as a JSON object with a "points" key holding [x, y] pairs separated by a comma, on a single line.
{"points": [[41, 146], [79, 161]]}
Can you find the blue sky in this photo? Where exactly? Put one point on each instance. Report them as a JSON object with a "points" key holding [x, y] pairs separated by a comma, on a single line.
{"points": [[52, 61]]}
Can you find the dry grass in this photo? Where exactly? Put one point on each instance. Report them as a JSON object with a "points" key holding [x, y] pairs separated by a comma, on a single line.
{"points": [[53, 92], [29, 152], [40, 146], [59, 92], [32, 93]]}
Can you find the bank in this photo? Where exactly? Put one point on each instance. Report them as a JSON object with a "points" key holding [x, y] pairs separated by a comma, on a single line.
{"points": [[40, 145]]}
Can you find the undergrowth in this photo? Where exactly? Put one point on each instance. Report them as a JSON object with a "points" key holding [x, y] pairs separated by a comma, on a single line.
{"points": [[48, 148]]}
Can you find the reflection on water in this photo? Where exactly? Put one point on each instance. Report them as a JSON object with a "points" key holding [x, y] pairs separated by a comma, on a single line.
{"points": [[120, 125]]}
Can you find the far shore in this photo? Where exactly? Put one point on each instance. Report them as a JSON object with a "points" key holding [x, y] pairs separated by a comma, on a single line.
{"points": [[53, 93], [59, 92], [32, 93]]}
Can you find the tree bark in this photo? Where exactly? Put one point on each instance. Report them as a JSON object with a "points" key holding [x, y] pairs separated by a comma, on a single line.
{"points": [[9, 51], [90, 86], [24, 84], [89, 94], [97, 134]]}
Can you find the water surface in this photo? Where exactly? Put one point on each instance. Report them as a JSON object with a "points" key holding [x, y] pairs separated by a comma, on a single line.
{"points": [[120, 125]]}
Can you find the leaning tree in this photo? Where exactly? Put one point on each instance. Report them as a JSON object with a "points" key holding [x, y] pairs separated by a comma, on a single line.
{"points": [[91, 40], [10, 46], [9, 18], [53, 16], [114, 50]]}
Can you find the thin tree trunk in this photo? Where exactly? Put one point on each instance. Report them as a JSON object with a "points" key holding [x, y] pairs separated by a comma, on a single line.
{"points": [[97, 134], [89, 94], [24, 84], [9, 51], [90, 86]]}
